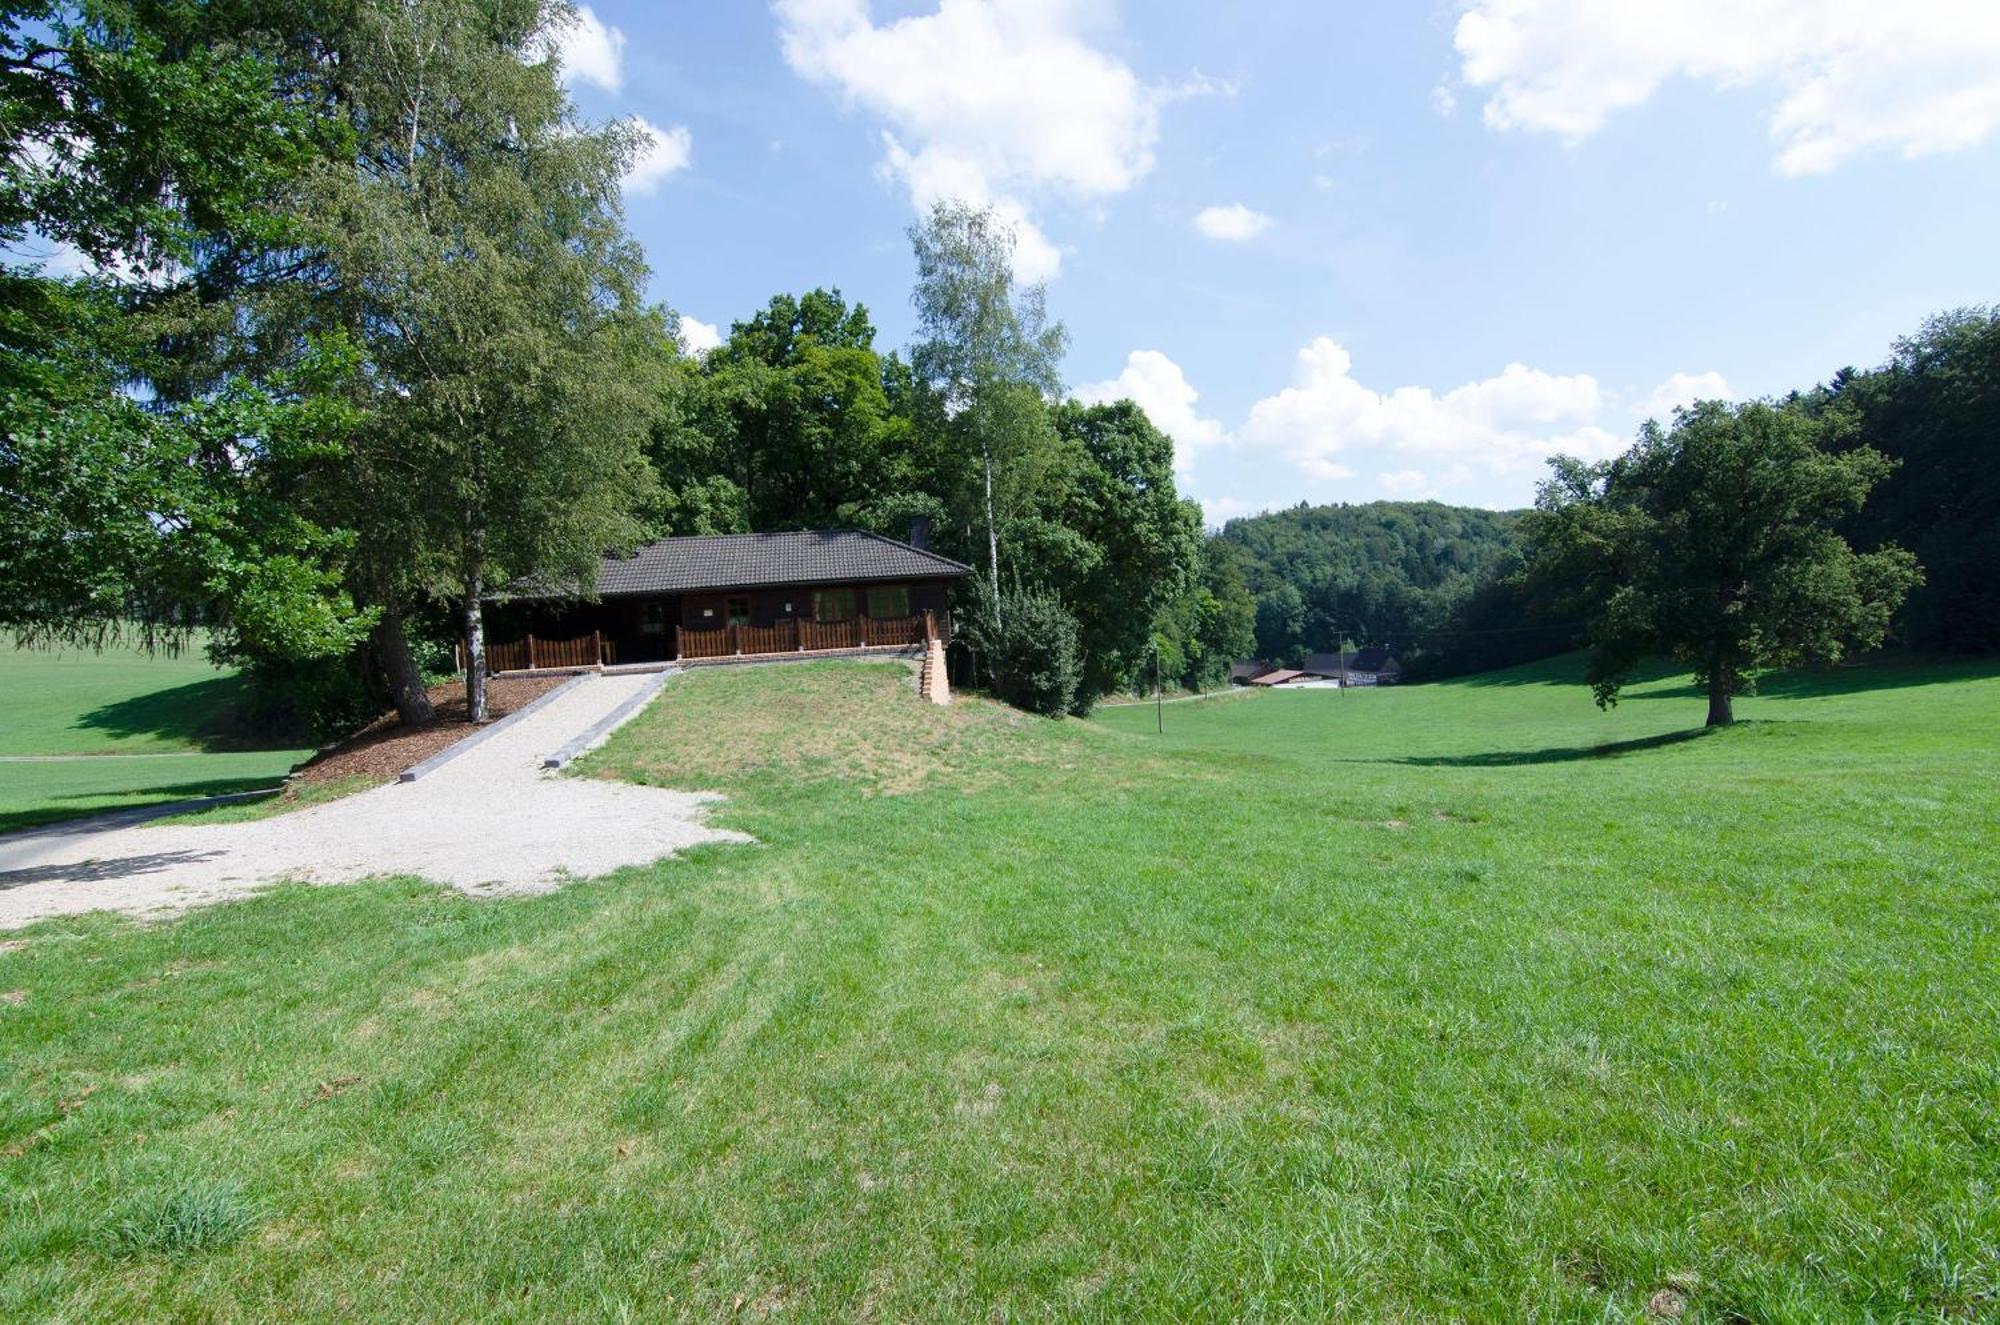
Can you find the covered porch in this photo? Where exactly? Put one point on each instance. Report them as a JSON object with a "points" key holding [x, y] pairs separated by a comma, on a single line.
{"points": [[561, 645]]}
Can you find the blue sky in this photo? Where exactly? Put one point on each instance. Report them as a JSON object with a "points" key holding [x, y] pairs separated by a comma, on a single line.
{"points": [[1441, 240]]}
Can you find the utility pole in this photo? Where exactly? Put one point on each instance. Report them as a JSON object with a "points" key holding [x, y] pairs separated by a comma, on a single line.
{"points": [[1159, 696]]}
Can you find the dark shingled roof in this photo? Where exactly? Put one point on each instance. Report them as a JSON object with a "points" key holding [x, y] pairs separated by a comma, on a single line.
{"points": [[749, 561], [1373, 659]]}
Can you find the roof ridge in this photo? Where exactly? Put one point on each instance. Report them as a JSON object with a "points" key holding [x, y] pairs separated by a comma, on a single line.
{"points": [[921, 551]]}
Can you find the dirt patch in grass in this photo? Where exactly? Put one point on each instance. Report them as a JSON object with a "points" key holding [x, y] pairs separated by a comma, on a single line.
{"points": [[385, 747]]}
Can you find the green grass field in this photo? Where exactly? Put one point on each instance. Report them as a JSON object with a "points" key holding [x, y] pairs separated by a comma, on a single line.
{"points": [[1458, 1002], [117, 729]]}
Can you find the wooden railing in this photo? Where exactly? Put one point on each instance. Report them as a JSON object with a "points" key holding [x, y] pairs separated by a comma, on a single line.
{"points": [[800, 636], [790, 636], [531, 653]]}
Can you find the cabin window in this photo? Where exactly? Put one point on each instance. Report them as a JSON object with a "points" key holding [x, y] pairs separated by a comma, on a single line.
{"points": [[653, 619], [886, 601], [833, 604], [739, 610]]}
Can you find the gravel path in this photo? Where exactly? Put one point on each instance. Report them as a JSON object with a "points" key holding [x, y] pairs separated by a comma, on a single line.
{"points": [[489, 823]]}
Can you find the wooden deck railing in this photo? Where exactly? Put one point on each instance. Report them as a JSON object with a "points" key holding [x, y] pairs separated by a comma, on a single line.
{"points": [[790, 636], [800, 636], [531, 653]]}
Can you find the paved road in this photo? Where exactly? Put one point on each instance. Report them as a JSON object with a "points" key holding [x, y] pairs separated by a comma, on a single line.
{"points": [[489, 822]]}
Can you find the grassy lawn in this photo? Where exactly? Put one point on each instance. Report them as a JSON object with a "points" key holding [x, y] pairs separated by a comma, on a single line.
{"points": [[1451, 1002], [117, 729]]}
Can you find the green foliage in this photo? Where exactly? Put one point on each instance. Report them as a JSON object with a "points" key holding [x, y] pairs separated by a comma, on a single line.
{"points": [[1399, 574], [1108, 537], [1714, 544], [1934, 409], [990, 355], [785, 425], [316, 701], [1031, 650], [1200, 632]]}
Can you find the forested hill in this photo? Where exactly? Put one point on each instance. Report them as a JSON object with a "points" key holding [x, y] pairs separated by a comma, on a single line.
{"points": [[1420, 577], [1423, 545]]}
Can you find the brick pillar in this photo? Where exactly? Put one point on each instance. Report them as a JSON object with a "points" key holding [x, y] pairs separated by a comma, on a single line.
{"points": [[932, 683]]}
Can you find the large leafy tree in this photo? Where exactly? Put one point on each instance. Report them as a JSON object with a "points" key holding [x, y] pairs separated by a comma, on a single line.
{"points": [[989, 351], [1714, 543], [146, 467], [790, 423], [1141, 542], [474, 249]]}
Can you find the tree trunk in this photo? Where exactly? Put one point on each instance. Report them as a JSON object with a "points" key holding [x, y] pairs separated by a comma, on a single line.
{"points": [[475, 652], [406, 685], [992, 540], [1720, 711]]}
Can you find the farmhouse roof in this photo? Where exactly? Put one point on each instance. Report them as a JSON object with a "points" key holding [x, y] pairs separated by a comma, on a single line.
{"points": [[1372, 659], [1244, 671], [1276, 678], [750, 561]]}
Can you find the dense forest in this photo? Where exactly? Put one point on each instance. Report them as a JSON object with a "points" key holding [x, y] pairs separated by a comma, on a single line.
{"points": [[1427, 580]]}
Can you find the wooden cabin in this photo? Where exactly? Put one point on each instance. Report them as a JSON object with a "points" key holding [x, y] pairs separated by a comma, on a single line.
{"points": [[735, 596]]}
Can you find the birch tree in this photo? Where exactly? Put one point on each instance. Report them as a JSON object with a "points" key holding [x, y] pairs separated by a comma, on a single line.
{"points": [[987, 347], [476, 249]]}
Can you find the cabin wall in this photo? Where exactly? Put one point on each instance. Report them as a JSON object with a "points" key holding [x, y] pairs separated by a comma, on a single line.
{"points": [[768, 607]]}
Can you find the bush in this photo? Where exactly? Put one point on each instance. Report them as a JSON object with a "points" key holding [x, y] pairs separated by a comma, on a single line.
{"points": [[317, 700], [1033, 655]]}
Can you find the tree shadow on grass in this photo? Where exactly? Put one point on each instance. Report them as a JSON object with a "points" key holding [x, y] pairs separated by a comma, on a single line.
{"points": [[202, 713], [1555, 754], [55, 810], [1888, 672]]}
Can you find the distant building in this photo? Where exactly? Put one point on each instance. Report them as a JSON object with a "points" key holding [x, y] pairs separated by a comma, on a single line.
{"points": [[1277, 677], [1243, 673], [1355, 667]]}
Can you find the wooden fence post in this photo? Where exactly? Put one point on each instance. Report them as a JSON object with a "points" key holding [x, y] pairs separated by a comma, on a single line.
{"points": [[597, 645], [531, 653], [736, 638], [677, 643], [863, 629]]}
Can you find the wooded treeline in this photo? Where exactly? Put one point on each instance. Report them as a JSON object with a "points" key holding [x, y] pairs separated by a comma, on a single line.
{"points": [[1445, 587]]}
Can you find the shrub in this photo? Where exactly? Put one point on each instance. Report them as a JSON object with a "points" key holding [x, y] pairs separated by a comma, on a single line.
{"points": [[318, 699], [1033, 655]]}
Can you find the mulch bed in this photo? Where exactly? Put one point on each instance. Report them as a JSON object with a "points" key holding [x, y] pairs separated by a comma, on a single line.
{"points": [[385, 747]]}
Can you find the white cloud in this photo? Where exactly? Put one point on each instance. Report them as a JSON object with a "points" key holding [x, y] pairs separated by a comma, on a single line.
{"points": [[587, 50], [1680, 390], [664, 152], [1503, 425], [697, 336], [991, 101], [1405, 482], [1158, 386], [1920, 76], [1234, 223], [1443, 100], [1218, 511]]}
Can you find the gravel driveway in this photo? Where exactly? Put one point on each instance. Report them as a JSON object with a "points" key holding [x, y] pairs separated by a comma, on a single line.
{"points": [[490, 822]]}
